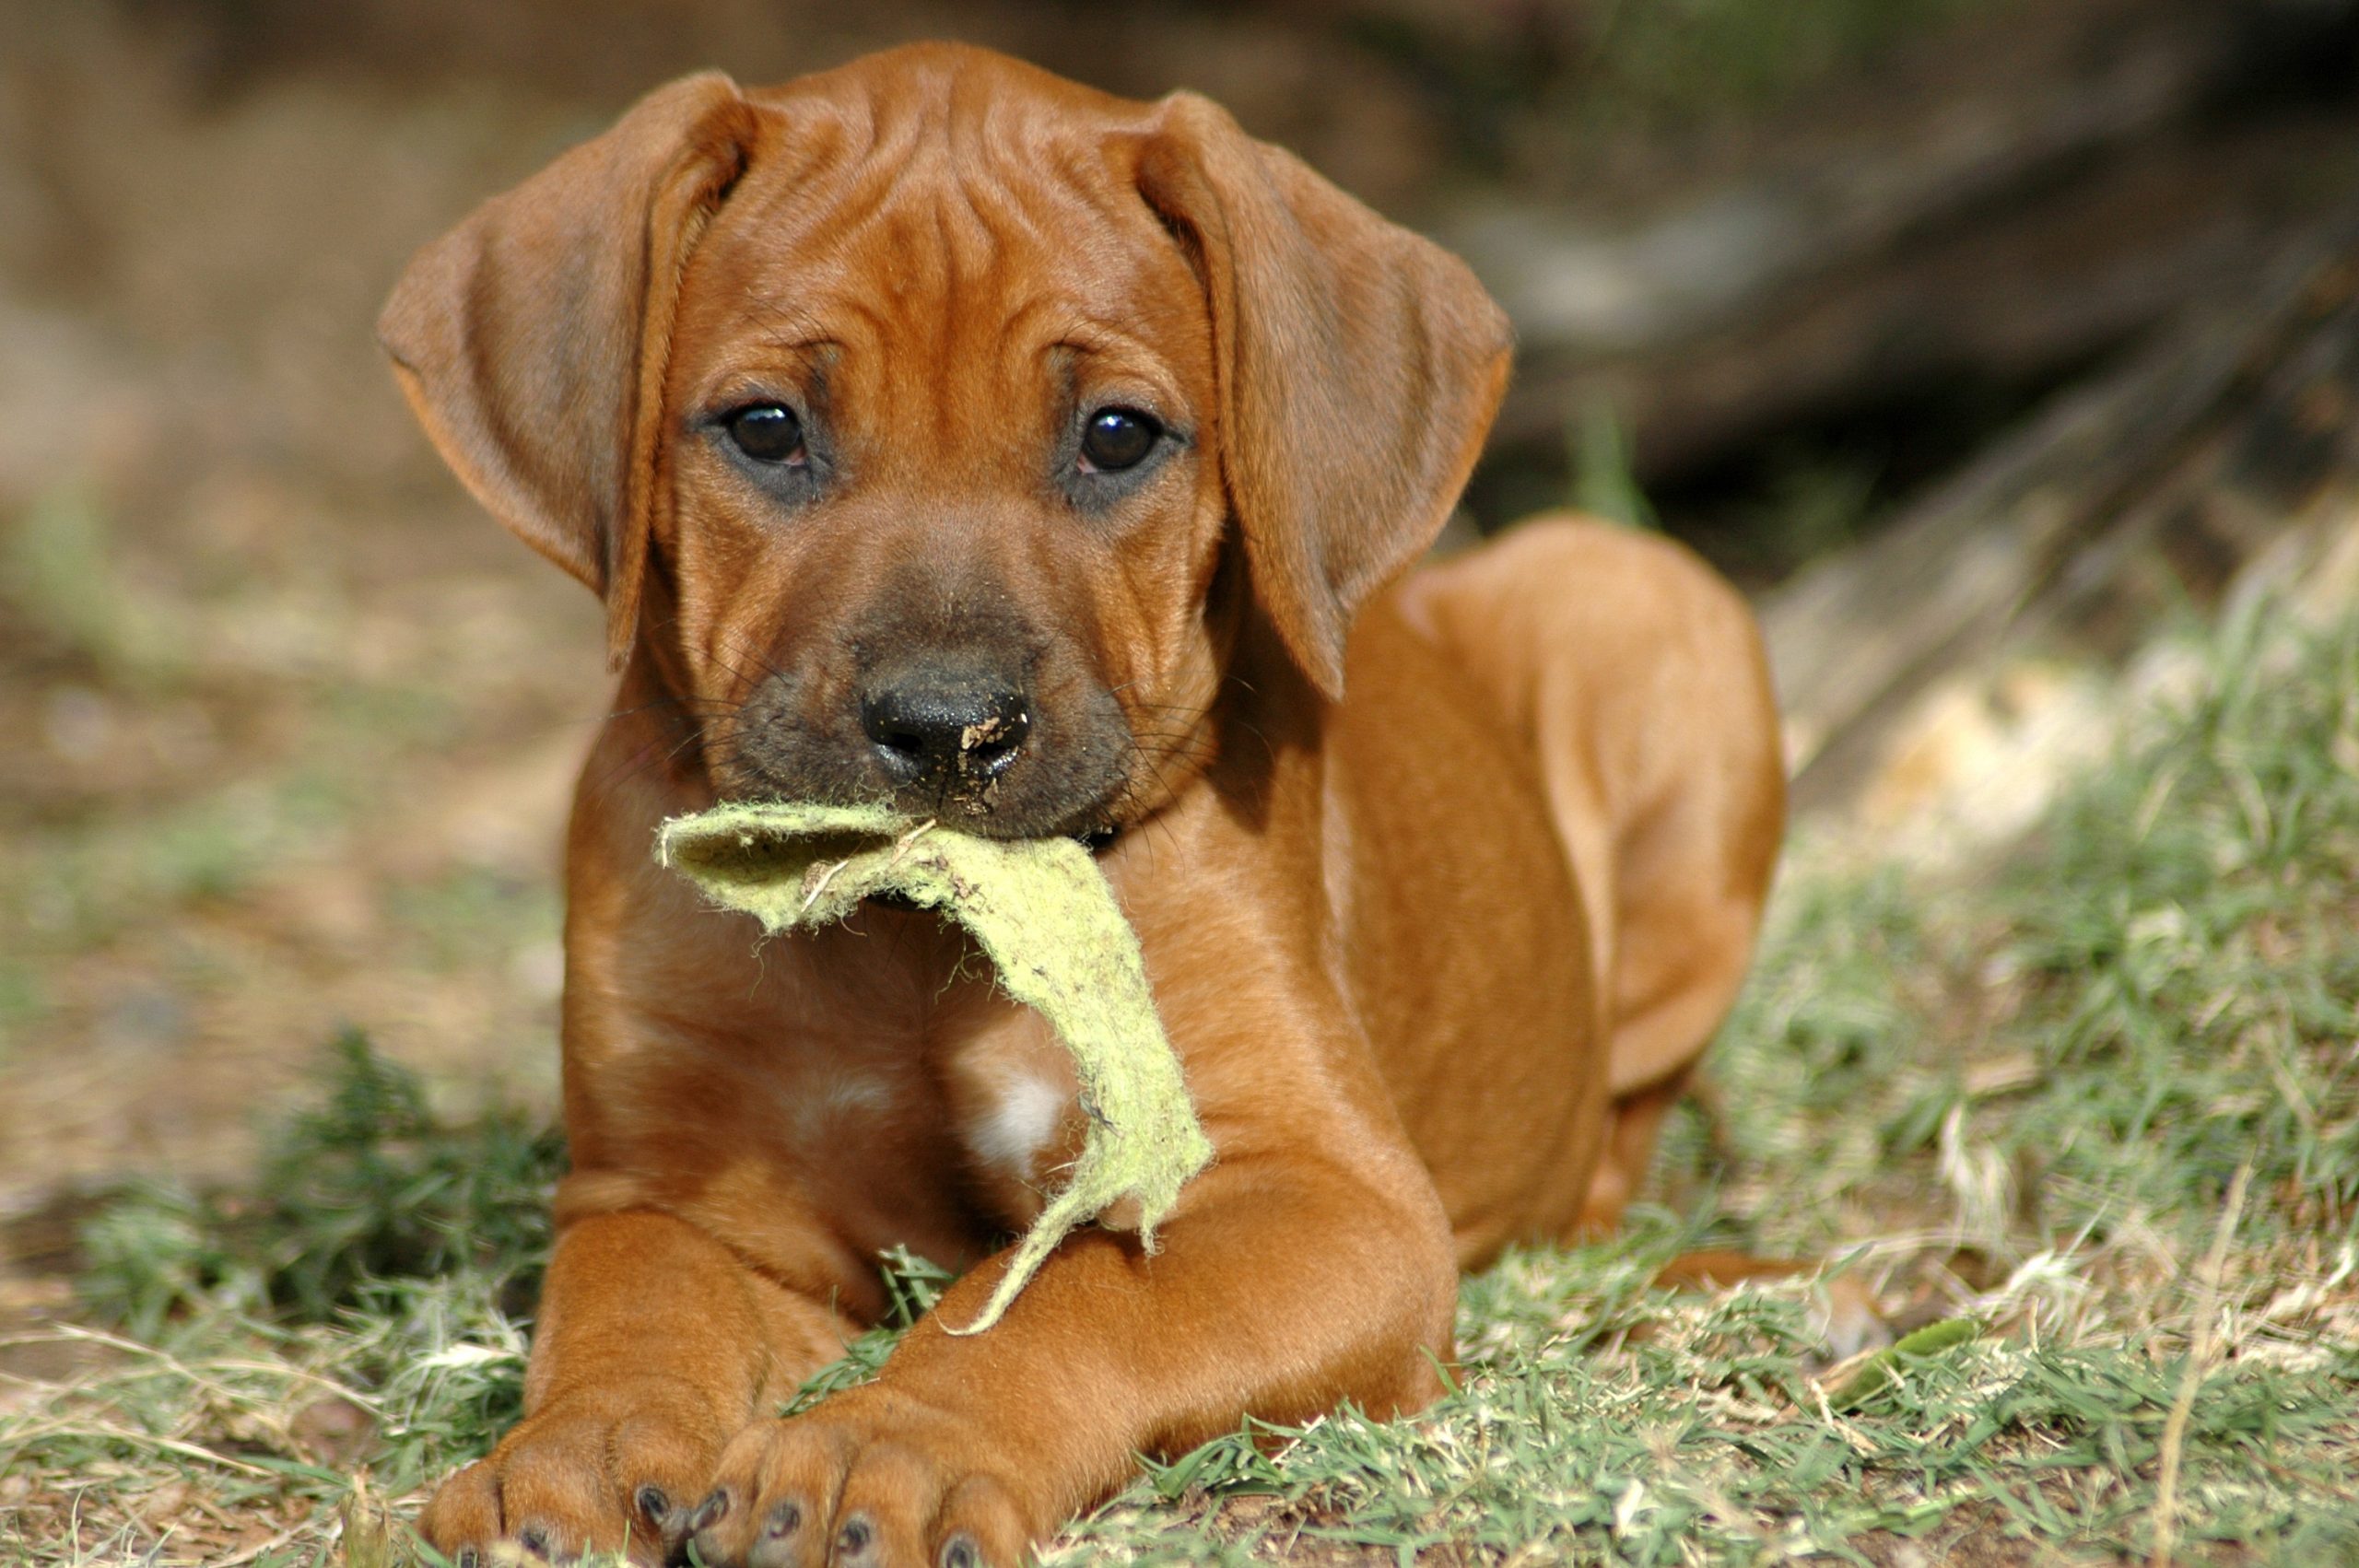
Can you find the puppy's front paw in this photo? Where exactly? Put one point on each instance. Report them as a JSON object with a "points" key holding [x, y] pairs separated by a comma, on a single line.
{"points": [[617, 1470], [868, 1479]]}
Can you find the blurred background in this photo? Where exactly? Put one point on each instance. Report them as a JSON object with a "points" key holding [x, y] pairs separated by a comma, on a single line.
{"points": [[1975, 338]]}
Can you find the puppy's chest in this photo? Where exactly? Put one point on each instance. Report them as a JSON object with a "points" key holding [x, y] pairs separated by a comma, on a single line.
{"points": [[1012, 1102], [973, 1089]]}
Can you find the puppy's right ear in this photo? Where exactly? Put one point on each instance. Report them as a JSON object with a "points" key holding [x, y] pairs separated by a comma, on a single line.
{"points": [[531, 340]]}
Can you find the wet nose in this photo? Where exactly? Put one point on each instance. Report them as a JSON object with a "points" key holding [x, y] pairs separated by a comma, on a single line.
{"points": [[939, 728]]}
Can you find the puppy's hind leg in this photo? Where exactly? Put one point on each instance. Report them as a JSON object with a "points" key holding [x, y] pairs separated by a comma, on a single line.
{"points": [[1637, 676]]}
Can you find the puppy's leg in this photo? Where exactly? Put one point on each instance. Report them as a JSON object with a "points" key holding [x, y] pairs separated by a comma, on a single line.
{"points": [[1287, 1281], [1637, 676], [654, 1344]]}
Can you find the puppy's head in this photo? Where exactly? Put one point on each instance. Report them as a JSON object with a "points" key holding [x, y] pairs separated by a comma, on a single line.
{"points": [[928, 423]]}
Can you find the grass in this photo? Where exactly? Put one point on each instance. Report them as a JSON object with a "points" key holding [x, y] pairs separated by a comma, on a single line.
{"points": [[58, 569], [1597, 452], [361, 1188], [2087, 1118]]}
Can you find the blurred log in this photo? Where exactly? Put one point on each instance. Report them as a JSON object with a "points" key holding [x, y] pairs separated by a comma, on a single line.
{"points": [[2146, 487], [2059, 280], [1711, 258], [2034, 197]]}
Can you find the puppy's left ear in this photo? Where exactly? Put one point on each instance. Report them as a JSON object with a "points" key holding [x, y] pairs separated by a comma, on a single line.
{"points": [[1359, 368]]}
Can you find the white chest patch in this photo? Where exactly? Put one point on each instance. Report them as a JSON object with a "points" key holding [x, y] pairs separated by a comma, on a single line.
{"points": [[1021, 1119]]}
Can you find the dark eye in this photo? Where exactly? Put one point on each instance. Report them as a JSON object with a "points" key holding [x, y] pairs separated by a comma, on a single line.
{"points": [[767, 432], [1116, 439]]}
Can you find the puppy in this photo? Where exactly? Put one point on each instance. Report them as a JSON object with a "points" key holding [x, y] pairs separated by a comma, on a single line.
{"points": [[943, 433]]}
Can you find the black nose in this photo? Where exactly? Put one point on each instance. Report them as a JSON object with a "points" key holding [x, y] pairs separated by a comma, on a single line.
{"points": [[942, 728]]}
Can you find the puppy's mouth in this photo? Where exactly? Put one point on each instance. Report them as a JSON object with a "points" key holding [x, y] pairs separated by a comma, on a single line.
{"points": [[968, 742], [1062, 781], [1096, 840]]}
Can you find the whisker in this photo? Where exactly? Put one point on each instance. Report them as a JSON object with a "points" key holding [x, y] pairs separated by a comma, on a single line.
{"points": [[722, 704], [631, 766], [756, 655]]}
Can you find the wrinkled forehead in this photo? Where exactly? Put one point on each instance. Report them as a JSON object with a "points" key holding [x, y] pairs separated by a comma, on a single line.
{"points": [[966, 217]]}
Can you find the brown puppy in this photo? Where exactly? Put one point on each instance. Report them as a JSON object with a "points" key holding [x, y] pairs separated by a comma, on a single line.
{"points": [[942, 431]]}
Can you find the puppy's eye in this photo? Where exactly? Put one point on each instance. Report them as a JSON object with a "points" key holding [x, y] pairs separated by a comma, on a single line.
{"points": [[1117, 439], [767, 432]]}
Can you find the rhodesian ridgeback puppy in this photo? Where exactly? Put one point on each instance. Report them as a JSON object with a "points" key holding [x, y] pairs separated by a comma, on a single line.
{"points": [[941, 432]]}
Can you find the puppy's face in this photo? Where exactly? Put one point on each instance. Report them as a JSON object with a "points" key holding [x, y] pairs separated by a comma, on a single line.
{"points": [[929, 424], [944, 513]]}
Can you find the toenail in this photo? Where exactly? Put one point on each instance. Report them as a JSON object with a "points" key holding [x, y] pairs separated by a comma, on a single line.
{"points": [[855, 1536], [960, 1551], [533, 1539], [653, 1502], [469, 1557], [784, 1520], [711, 1511]]}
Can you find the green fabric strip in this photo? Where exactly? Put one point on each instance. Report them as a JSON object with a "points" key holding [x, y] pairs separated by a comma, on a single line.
{"points": [[1043, 913]]}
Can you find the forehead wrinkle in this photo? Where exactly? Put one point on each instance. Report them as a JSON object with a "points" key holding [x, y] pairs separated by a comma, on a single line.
{"points": [[967, 166], [926, 235], [946, 180], [782, 323], [963, 256]]}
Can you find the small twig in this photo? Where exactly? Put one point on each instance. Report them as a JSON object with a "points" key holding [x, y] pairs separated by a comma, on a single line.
{"points": [[901, 846], [820, 886], [900, 852], [304, 1374], [137, 1439], [169, 1365], [2207, 1314], [1859, 1441]]}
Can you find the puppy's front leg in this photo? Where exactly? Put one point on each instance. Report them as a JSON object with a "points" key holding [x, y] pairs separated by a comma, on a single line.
{"points": [[654, 1344], [1289, 1278]]}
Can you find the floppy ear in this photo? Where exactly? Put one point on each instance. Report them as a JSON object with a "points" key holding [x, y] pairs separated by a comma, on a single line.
{"points": [[531, 340], [1359, 366]]}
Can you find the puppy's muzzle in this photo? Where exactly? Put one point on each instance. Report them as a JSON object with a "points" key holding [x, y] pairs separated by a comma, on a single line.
{"points": [[945, 727]]}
